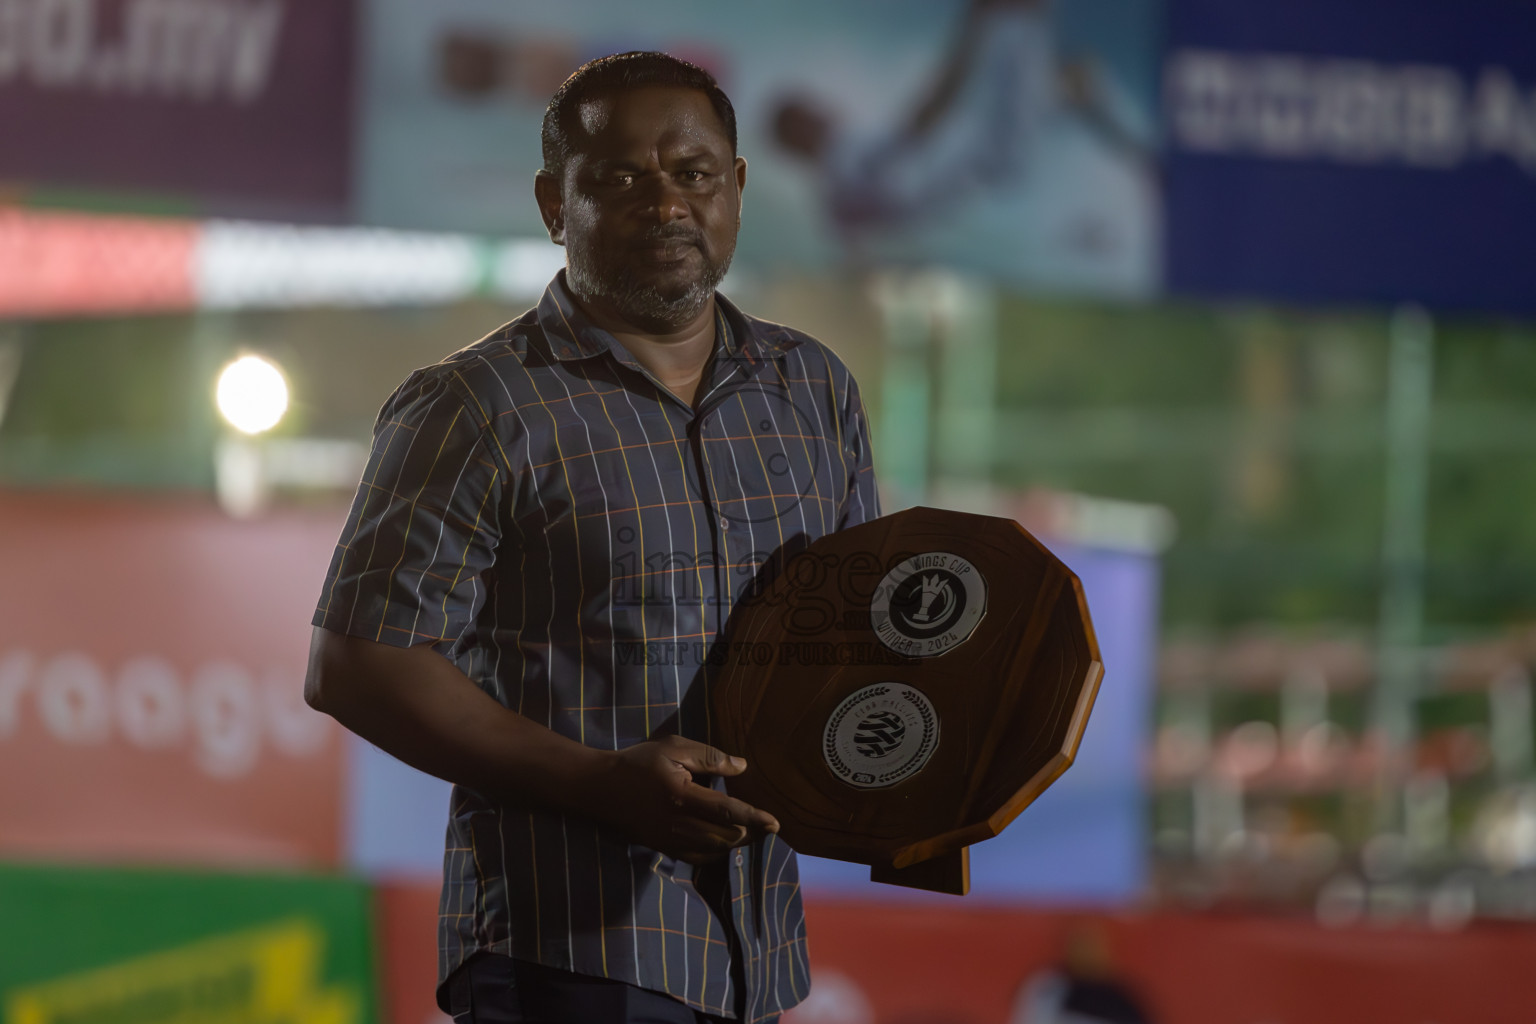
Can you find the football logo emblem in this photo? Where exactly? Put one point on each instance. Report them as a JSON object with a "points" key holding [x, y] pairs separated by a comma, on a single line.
{"points": [[880, 735]]}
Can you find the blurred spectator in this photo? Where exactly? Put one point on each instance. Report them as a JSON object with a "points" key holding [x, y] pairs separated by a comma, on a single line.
{"points": [[1082, 989]]}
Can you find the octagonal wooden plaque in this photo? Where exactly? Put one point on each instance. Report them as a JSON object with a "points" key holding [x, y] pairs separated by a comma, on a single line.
{"points": [[905, 688]]}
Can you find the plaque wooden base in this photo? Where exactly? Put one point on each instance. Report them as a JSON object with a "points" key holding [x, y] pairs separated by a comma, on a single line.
{"points": [[947, 873], [905, 688]]}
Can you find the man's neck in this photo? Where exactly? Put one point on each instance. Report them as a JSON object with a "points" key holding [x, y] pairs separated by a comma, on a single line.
{"points": [[677, 358]]}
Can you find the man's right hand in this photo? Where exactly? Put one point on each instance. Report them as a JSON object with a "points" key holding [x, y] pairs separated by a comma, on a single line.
{"points": [[649, 793]]}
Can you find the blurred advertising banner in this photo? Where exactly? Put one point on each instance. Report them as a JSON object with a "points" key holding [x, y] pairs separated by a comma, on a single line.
{"points": [[209, 106], [117, 946], [53, 264], [961, 963], [151, 684], [405, 916], [1366, 152], [1014, 138], [883, 965]]}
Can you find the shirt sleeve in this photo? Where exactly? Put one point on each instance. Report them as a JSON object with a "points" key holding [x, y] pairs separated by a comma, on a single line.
{"points": [[423, 524], [862, 501]]}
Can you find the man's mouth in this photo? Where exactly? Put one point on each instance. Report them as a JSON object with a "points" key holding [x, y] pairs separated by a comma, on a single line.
{"points": [[669, 249], [667, 253]]}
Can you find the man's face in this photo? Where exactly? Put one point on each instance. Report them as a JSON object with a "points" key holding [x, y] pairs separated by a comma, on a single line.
{"points": [[648, 206]]}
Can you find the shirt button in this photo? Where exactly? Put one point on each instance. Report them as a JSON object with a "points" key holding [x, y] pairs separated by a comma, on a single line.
{"points": [[725, 524], [738, 858]]}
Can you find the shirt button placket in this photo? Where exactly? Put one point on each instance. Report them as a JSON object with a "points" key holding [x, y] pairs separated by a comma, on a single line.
{"points": [[705, 429]]}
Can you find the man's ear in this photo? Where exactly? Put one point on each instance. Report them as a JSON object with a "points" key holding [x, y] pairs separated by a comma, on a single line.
{"points": [[741, 185], [546, 190]]}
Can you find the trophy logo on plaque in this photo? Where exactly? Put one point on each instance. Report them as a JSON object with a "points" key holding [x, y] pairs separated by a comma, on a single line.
{"points": [[928, 604]]}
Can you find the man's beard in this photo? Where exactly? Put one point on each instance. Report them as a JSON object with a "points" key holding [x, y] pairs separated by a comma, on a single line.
{"points": [[605, 279]]}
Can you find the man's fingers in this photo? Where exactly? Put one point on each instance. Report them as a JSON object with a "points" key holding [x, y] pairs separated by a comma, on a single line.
{"points": [[714, 826], [703, 758], [757, 820], [713, 806], [727, 810], [704, 839]]}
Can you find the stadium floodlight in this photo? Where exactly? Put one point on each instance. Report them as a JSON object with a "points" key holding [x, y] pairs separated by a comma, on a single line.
{"points": [[252, 394]]}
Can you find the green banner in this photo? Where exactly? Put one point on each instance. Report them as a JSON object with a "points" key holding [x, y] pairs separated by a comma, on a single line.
{"points": [[88, 946]]}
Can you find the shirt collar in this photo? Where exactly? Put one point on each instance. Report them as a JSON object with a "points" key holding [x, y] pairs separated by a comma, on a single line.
{"points": [[572, 336]]}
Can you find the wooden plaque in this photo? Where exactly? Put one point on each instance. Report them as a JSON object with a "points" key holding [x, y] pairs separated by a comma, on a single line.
{"points": [[905, 688]]}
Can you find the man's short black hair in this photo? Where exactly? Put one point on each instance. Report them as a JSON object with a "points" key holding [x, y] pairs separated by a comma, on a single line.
{"points": [[616, 73]]}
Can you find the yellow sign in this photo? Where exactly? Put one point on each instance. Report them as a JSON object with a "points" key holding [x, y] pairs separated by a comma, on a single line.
{"points": [[269, 975]]}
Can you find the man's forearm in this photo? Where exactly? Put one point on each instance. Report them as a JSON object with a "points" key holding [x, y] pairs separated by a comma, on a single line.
{"points": [[415, 705]]}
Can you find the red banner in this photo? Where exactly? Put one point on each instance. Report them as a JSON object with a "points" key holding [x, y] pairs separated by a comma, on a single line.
{"points": [[874, 964], [61, 264], [152, 657], [881, 965], [406, 930]]}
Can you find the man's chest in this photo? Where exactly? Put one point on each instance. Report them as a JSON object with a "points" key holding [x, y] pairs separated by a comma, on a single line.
{"points": [[757, 459]]}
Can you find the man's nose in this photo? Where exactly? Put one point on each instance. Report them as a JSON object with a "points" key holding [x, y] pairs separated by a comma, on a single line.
{"points": [[664, 200]]}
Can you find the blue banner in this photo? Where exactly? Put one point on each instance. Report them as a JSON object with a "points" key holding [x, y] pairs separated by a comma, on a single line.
{"points": [[1373, 151]]}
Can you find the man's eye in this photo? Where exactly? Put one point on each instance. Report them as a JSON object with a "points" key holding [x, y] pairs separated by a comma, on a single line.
{"points": [[694, 175], [622, 179]]}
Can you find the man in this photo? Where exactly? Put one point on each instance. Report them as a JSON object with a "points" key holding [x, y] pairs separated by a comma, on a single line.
{"points": [[553, 527]]}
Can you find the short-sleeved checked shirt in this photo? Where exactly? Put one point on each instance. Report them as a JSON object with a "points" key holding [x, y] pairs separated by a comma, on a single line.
{"points": [[573, 536]]}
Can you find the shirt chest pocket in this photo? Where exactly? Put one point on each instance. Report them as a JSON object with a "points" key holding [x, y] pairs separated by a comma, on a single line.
{"points": [[770, 462]]}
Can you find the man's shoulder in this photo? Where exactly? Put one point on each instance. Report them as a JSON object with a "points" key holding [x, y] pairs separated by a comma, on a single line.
{"points": [[493, 365], [801, 347], [771, 332], [505, 350], [489, 378]]}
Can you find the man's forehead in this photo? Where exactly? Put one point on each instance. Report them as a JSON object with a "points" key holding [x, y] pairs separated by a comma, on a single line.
{"points": [[649, 111]]}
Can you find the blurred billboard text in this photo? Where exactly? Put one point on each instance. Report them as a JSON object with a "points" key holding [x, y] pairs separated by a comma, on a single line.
{"points": [[220, 106], [1378, 152], [150, 685]]}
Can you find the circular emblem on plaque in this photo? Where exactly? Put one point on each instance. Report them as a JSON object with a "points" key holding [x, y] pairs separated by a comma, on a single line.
{"points": [[880, 735], [928, 604]]}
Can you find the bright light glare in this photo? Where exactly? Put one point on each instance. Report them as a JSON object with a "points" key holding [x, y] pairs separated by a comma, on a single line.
{"points": [[252, 394]]}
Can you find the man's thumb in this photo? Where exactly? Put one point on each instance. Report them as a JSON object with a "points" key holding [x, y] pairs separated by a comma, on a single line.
{"points": [[721, 763], [701, 757]]}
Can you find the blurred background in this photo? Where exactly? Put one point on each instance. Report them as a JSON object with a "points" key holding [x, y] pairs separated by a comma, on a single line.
{"points": [[1233, 304]]}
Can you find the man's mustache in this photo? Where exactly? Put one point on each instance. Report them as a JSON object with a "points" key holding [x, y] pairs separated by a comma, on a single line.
{"points": [[671, 233]]}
